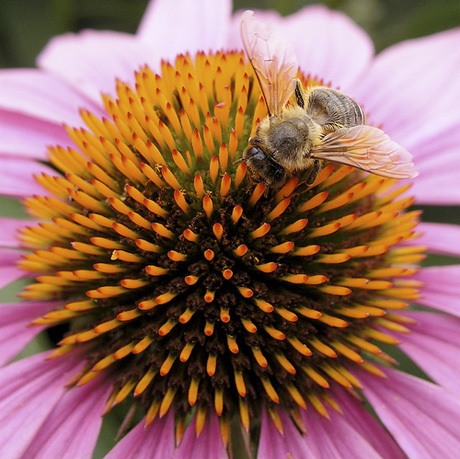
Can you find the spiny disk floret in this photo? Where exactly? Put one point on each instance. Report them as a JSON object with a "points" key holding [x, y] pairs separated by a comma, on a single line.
{"points": [[193, 287]]}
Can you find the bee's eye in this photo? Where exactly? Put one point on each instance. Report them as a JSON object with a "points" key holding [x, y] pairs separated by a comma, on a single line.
{"points": [[255, 151], [278, 175]]}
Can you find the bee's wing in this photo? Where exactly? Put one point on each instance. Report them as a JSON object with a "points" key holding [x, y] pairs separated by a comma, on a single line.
{"points": [[367, 148], [273, 60]]}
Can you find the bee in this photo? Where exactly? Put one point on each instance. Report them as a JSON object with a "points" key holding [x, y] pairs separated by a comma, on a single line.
{"points": [[322, 124]]}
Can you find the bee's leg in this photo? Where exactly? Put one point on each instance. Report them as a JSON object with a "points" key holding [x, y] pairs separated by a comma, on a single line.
{"points": [[267, 189], [314, 171], [330, 127], [298, 91]]}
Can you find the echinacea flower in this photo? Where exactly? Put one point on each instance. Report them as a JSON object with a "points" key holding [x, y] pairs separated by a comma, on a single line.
{"points": [[214, 313]]}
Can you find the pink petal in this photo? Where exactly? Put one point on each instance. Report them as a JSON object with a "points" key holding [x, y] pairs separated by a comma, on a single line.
{"points": [[436, 148], [8, 275], [274, 445], [440, 237], [15, 332], [362, 421], [43, 96], [336, 437], [28, 137], [16, 177], [153, 442], [352, 434], [437, 185], [9, 231], [330, 58], [8, 270], [29, 390], [423, 119], [422, 417], [90, 61], [442, 288], [203, 24], [433, 345], [434, 137], [413, 71], [72, 428], [208, 445]]}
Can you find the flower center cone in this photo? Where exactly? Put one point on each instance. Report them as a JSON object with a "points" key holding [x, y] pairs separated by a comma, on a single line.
{"points": [[188, 286]]}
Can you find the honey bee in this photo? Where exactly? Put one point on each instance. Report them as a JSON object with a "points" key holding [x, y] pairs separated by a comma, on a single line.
{"points": [[322, 124]]}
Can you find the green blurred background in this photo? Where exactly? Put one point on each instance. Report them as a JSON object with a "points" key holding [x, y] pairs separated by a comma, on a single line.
{"points": [[26, 25]]}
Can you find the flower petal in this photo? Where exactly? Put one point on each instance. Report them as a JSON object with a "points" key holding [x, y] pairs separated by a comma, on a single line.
{"points": [[327, 57], [412, 70], [353, 434], [29, 390], [153, 442], [274, 445], [208, 445], [336, 437], [433, 345], [10, 227], [422, 417], [8, 275], [442, 288], [429, 127], [14, 330], [363, 422], [16, 177], [332, 61], [439, 182], [204, 25], [42, 95], [72, 427], [91, 60], [440, 238], [28, 137], [8, 270]]}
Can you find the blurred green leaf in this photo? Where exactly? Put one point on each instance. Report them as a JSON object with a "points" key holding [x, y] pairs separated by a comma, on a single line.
{"points": [[26, 26], [10, 207]]}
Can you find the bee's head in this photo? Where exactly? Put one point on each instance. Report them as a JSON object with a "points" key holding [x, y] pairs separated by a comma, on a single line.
{"points": [[262, 167]]}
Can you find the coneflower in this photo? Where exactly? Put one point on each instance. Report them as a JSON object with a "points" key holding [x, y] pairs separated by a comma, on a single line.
{"points": [[211, 308]]}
